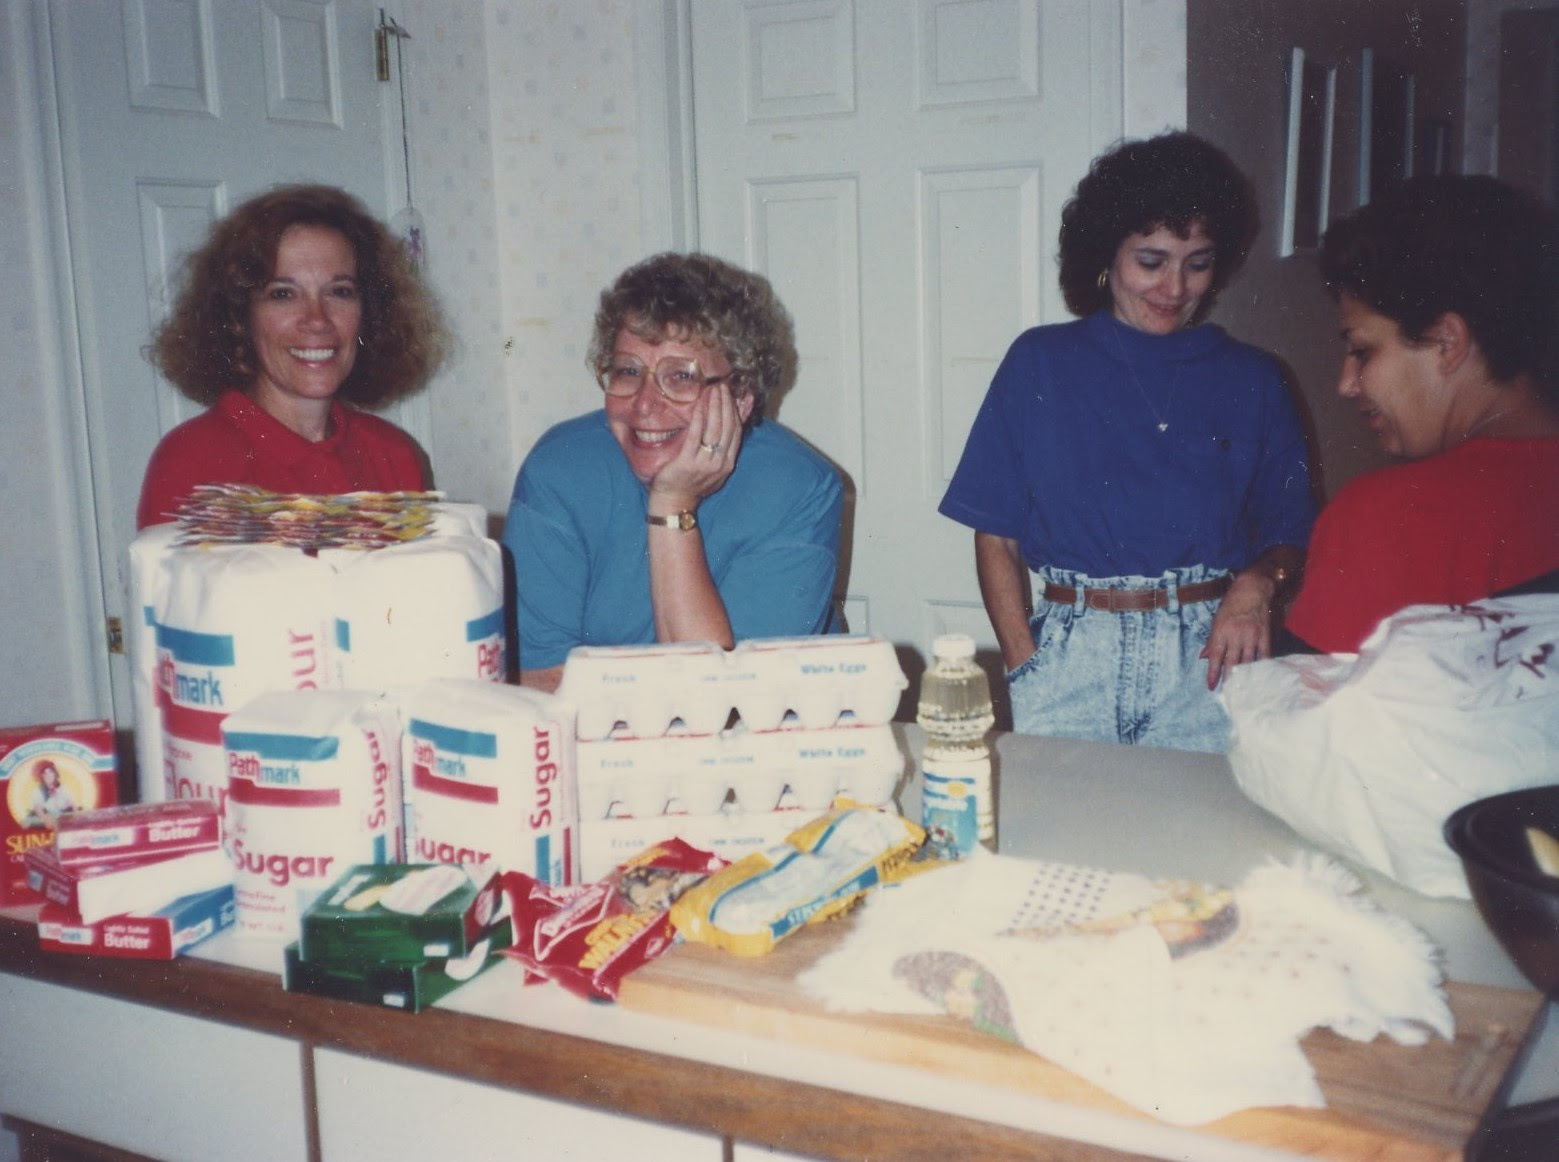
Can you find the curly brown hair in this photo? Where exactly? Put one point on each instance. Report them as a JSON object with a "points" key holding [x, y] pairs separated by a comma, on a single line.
{"points": [[1171, 181], [204, 345], [700, 298], [1467, 244]]}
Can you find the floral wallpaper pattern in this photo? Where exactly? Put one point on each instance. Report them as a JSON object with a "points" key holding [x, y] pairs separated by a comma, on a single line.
{"points": [[524, 157], [524, 138]]}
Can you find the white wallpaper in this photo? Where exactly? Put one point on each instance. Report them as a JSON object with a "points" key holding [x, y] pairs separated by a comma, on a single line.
{"points": [[524, 165], [452, 186]]}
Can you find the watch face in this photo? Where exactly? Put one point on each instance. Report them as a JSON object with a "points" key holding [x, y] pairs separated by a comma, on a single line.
{"points": [[677, 520]]}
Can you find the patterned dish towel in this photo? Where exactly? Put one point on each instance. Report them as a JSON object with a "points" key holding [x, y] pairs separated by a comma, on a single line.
{"points": [[1185, 1000]]}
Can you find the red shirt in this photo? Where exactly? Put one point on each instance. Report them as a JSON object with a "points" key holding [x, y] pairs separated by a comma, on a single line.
{"points": [[1445, 530], [237, 442]]}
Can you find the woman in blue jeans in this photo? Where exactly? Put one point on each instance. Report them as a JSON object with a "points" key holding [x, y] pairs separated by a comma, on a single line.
{"points": [[1138, 482]]}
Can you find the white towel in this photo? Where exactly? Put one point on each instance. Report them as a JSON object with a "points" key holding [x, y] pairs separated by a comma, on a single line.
{"points": [[1185, 1000]]}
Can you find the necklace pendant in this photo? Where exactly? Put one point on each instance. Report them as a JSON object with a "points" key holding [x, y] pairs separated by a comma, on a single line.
{"points": [[1163, 426]]}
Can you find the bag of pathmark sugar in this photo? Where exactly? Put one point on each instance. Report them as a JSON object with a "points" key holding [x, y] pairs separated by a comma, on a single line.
{"points": [[313, 788], [235, 621], [425, 609], [490, 778]]}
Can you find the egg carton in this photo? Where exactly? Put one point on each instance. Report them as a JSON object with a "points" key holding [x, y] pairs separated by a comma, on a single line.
{"points": [[754, 771], [766, 683], [604, 844]]}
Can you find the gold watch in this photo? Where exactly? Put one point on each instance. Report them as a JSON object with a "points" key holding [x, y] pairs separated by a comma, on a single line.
{"points": [[684, 521]]}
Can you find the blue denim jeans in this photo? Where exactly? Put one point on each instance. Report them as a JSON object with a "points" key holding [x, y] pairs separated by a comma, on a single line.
{"points": [[1120, 677]]}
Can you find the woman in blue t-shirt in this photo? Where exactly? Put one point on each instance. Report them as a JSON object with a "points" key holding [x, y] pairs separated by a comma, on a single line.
{"points": [[675, 512], [1137, 481]]}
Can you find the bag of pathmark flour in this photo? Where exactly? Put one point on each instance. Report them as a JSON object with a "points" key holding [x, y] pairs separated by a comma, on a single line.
{"points": [[426, 609], [1366, 755], [387, 617], [459, 518], [490, 778], [234, 622], [148, 583], [314, 787]]}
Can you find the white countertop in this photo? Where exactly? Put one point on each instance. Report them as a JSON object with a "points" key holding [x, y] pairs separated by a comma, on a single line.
{"points": [[1157, 812]]}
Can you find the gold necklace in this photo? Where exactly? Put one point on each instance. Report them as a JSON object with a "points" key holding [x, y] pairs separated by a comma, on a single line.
{"points": [[1489, 419], [1162, 419]]}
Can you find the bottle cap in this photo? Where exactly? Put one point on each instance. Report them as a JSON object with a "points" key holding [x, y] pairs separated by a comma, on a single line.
{"points": [[952, 645]]}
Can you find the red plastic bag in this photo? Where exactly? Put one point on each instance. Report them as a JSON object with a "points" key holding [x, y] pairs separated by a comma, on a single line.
{"points": [[587, 937]]}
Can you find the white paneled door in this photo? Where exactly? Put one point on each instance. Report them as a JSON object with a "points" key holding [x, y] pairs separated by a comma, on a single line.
{"points": [[172, 112], [897, 168]]}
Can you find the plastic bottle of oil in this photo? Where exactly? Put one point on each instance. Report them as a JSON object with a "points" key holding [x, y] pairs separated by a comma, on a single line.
{"points": [[956, 805]]}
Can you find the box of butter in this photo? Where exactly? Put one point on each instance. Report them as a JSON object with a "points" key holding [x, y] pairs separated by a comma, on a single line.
{"points": [[159, 934], [97, 891], [399, 913], [137, 831]]}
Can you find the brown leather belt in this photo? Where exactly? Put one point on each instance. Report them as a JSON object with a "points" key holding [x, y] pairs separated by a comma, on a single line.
{"points": [[1137, 600]]}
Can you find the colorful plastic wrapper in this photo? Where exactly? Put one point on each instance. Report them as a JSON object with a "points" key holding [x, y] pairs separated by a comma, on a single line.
{"points": [[588, 937], [244, 514], [822, 869]]}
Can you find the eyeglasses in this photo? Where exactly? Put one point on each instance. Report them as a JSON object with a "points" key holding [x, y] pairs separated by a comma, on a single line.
{"points": [[679, 380]]}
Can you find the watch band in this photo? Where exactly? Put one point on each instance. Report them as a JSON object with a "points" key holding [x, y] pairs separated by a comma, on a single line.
{"points": [[683, 521]]}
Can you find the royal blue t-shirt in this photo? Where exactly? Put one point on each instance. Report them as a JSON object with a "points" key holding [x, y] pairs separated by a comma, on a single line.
{"points": [[1112, 452], [577, 533]]}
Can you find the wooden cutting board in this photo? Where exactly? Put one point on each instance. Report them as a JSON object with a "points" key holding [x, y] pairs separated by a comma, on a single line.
{"points": [[1384, 1100]]}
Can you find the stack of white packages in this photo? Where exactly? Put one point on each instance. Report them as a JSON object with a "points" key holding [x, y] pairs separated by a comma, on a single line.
{"points": [[314, 787], [234, 622], [216, 625], [148, 590], [730, 751], [426, 609], [490, 778]]}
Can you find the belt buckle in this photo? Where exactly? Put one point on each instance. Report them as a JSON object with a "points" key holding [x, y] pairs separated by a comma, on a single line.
{"points": [[1118, 600]]}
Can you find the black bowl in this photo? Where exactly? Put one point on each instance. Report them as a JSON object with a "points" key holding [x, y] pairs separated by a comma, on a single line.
{"points": [[1518, 901]]}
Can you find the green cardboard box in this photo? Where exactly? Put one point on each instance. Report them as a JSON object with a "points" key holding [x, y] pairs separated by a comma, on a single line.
{"points": [[401, 914], [409, 987]]}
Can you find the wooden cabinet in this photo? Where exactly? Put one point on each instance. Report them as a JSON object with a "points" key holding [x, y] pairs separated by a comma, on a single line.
{"points": [[87, 1078], [149, 1081], [371, 1111]]}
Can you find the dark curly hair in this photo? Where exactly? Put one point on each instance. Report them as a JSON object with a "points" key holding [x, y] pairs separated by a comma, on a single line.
{"points": [[204, 345], [700, 298], [1471, 245], [1173, 180]]}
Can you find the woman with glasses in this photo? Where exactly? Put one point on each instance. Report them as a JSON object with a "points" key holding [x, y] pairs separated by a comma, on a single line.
{"points": [[676, 513]]}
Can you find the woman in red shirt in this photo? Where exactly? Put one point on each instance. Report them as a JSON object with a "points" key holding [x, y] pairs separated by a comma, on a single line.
{"points": [[1448, 296], [298, 305]]}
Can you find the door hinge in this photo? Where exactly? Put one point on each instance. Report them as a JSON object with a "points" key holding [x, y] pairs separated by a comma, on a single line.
{"points": [[386, 28], [116, 635]]}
